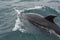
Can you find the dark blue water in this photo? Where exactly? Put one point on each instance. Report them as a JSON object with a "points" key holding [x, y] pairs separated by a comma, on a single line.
{"points": [[8, 18]]}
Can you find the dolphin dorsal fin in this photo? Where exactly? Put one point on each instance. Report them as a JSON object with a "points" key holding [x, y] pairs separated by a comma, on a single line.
{"points": [[50, 18]]}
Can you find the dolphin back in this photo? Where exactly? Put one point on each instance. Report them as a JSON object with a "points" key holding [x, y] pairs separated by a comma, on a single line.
{"points": [[39, 21]]}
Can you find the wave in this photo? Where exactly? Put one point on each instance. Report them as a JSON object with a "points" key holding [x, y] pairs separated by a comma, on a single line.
{"points": [[42, 10]]}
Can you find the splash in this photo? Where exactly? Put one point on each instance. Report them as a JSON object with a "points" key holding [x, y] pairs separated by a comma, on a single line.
{"points": [[27, 27], [18, 23]]}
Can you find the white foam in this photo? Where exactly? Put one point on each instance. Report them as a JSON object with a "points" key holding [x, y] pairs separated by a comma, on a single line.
{"points": [[20, 11], [36, 7], [18, 23]]}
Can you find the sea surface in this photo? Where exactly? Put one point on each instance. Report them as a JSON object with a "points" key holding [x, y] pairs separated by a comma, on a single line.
{"points": [[14, 28]]}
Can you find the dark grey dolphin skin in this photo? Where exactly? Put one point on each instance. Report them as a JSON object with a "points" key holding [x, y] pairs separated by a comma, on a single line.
{"points": [[46, 22]]}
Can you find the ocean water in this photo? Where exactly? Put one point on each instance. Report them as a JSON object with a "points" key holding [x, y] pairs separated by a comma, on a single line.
{"points": [[14, 28]]}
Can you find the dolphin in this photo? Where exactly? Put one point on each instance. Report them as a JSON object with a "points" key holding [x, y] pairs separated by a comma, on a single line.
{"points": [[47, 22]]}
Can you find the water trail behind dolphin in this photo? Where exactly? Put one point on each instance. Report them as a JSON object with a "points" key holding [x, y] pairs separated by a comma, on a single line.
{"points": [[18, 23]]}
